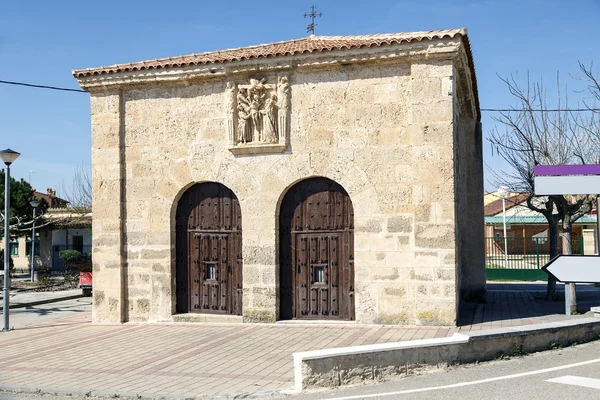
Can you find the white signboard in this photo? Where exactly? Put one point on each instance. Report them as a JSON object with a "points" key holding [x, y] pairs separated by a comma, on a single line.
{"points": [[574, 269]]}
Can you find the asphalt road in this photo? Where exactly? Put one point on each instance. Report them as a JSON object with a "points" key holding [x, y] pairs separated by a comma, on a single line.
{"points": [[572, 373]]}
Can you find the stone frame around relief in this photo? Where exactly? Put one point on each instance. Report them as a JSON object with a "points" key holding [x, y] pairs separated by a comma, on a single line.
{"points": [[257, 114]]}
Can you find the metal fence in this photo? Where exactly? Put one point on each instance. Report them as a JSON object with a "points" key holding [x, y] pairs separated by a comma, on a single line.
{"points": [[523, 259]]}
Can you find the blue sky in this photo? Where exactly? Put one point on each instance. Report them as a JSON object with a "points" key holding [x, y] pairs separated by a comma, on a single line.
{"points": [[42, 41]]}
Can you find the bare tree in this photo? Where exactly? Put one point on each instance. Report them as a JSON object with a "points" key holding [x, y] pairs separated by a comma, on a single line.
{"points": [[535, 133], [79, 195]]}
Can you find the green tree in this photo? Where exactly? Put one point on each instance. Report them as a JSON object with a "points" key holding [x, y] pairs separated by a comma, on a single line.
{"points": [[21, 212]]}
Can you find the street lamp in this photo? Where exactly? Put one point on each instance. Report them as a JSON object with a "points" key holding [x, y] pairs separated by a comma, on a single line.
{"points": [[503, 192], [8, 156], [34, 204]]}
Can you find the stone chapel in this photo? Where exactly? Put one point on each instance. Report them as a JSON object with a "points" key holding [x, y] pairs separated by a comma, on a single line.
{"points": [[330, 178]]}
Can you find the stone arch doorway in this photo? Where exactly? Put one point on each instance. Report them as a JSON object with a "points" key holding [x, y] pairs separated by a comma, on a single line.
{"points": [[316, 224], [209, 250]]}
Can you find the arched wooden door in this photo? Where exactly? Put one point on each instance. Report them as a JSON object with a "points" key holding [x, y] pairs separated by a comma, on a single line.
{"points": [[317, 252], [209, 250]]}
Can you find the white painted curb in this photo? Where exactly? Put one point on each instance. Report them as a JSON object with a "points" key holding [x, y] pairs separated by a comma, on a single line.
{"points": [[457, 338]]}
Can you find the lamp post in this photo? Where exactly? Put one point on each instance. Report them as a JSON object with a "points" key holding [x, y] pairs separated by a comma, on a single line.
{"points": [[8, 156], [34, 204], [503, 192]]}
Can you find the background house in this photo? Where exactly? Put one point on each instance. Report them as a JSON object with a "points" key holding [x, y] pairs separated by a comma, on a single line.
{"points": [[61, 228], [526, 238]]}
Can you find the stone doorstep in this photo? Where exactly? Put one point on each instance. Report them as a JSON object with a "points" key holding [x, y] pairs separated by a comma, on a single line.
{"points": [[200, 318], [325, 368], [208, 318], [317, 322]]}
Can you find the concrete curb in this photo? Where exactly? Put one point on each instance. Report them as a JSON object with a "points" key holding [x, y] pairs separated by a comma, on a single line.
{"points": [[351, 365], [38, 302]]}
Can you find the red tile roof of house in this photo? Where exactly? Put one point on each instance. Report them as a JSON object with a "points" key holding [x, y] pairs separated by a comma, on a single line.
{"points": [[495, 207], [50, 198], [290, 47]]}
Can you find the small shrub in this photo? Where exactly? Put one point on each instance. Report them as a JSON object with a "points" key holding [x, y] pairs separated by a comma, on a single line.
{"points": [[75, 262], [70, 256], [502, 356], [519, 352], [554, 346]]}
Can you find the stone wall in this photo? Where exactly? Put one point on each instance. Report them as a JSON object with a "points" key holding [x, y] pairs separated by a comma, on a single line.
{"points": [[468, 180], [384, 130], [109, 259]]}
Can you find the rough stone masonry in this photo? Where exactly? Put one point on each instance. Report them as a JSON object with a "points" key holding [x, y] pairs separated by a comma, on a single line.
{"points": [[393, 119]]}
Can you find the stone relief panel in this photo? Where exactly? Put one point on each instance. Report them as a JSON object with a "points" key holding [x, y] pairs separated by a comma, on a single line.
{"points": [[257, 114]]}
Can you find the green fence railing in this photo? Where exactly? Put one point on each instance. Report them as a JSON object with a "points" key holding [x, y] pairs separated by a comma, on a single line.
{"points": [[523, 259]]}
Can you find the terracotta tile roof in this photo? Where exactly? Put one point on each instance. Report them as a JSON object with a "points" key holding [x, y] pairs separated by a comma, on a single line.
{"points": [[495, 207], [50, 198], [290, 47]]}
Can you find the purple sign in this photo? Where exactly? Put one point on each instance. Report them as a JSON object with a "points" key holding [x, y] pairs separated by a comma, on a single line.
{"points": [[557, 170]]}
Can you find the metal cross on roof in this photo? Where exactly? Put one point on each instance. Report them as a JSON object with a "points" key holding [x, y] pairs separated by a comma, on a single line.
{"points": [[312, 15]]}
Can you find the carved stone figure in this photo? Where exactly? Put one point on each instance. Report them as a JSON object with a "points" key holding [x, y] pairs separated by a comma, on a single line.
{"points": [[283, 91], [257, 113], [243, 125], [269, 122]]}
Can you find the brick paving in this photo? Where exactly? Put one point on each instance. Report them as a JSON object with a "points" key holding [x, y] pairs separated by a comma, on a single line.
{"points": [[174, 359], [185, 360]]}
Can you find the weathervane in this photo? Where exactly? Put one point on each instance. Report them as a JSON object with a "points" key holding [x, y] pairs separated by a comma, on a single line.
{"points": [[312, 15]]}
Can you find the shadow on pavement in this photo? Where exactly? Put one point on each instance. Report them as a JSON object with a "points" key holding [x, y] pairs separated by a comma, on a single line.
{"points": [[513, 304]]}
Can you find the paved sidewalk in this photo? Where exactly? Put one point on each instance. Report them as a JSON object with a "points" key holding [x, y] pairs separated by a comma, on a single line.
{"points": [[186, 360], [174, 359], [31, 298]]}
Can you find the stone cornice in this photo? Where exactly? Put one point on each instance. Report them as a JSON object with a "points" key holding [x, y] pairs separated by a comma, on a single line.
{"points": [[434, 49]]}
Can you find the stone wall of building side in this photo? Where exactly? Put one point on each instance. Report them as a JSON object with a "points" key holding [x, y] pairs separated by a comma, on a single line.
{"points": [[107, 224], [384, 131], [469, 210]]}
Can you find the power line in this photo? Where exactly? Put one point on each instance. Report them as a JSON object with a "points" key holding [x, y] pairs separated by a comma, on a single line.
{"points": [[483, 109], [539, 110], [42, 86]]}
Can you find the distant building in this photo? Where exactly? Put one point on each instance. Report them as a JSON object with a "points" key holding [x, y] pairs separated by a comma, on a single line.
{"points": [[60, 228], [523, 222]]}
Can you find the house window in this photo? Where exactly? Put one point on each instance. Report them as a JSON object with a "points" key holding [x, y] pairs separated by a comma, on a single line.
{"points": [[14, 247], [28, 246]]}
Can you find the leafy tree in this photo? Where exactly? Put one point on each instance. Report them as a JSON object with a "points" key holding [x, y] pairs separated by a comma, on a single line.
{"points": [[21, 212]]}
